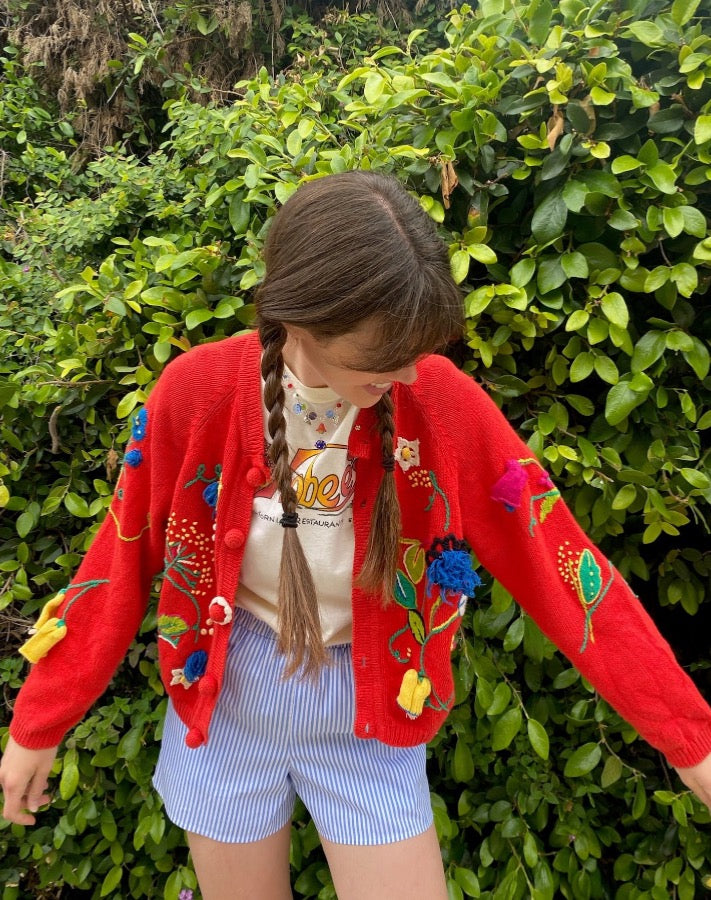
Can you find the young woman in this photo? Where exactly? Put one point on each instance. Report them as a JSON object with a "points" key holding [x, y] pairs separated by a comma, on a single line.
{"points": [[310, 495]]}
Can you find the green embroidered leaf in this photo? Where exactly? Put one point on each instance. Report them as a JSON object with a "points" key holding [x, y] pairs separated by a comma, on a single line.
{"points": [[405, 593], [414, 560], [417, 625], [548, 503], [170, 628], [589, 576]]}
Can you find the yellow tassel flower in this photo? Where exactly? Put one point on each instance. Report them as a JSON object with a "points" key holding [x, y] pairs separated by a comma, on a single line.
{"points": [[414, 690], [46, 636], [47, 631]]}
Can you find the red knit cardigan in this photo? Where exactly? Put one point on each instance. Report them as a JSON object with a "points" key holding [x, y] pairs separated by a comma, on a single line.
{"points": [[182, 510]]}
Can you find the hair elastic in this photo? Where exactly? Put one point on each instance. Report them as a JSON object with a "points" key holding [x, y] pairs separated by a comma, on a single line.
{"points": [[388, 463], [289, 520]]}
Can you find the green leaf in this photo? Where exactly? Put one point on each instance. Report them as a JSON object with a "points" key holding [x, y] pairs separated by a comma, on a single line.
{"points": [[575, 265], [196, 317], [459, 265], [622, 220], [467, 881], [647, 33], [482, 253], [647, 350], [538, 736], [238, 214], [606, 369], [69, 781], [694, 221], [581, 367], [698, 358], [663, 176], [522, 272], [624, 163], [463, 763], [615, 309], [506, 729], [683, 10], [686, 278], [577, 320], [112, 880], [550, 275], [583, 760], [702, 130], [696, 478], [549, 218], [673, 219], [611, 771], [620, 402], [77, 505], [624, 497]]}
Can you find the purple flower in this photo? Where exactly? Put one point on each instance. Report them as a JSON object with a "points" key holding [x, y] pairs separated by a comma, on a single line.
{"points": [[185, 894]]}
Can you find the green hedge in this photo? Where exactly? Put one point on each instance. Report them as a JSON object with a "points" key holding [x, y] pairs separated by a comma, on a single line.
{"points": [[581, 140]]}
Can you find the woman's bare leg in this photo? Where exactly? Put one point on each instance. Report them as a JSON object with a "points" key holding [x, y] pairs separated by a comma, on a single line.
{"points": [[243, 871], [411, 868]]}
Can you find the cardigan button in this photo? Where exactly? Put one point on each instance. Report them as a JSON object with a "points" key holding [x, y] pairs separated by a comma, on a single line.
{"points": [[207, 686], [194, 738], [256, 477], [234, 539]]}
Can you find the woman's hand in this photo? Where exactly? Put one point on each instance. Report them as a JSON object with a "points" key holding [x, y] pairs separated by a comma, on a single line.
{"points": [[698, 778], [23, 778]]}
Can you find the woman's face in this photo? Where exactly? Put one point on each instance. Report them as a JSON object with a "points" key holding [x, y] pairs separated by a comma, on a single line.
{"points": [[330, 362]]}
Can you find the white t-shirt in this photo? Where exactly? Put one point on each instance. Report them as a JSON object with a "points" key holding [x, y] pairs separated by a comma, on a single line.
{"points": [[318, 425]]}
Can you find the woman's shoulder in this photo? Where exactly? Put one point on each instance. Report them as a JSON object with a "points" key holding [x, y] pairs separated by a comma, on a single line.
{"points": [[206, 376]]}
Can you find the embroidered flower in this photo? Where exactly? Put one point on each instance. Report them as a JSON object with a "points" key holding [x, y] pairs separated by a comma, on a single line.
{"points": [[193, 669], [220, 611], [320, 445], [133, 458], [449, 566], [509, 488], [414, 690], [209, 495], [140, 420], [47, 631], [407, 453], [45, 637], [420, 478]]}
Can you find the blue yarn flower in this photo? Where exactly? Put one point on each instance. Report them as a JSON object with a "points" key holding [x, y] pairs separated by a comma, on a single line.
{"points": [[140, 421], [209, 495], [452, 571], [195, 665], [133, 458]]}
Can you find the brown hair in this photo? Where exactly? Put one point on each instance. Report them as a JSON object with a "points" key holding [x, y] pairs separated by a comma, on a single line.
{"points": [[344, 249]]}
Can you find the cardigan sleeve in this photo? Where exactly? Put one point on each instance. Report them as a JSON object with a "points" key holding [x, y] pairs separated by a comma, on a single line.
{"points": [[84, 632], [525, 536]]}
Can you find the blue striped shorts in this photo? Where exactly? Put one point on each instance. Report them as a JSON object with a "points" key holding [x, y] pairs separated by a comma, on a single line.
{"points": [[272, 739]]}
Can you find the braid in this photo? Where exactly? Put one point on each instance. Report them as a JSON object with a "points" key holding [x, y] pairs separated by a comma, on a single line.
{"points": [[380, 565], [300, 635]]}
